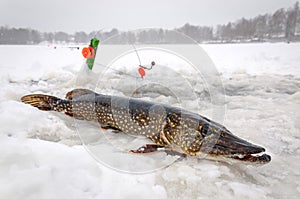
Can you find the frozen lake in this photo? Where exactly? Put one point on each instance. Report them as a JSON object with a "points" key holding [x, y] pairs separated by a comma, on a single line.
{"points": [[43, 157]]}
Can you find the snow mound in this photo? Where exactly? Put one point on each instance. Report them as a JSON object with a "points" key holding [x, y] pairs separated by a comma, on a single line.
{"points": [[42, 155]]}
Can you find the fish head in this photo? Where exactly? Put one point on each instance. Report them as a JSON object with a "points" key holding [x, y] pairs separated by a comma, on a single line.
{"points": [[219, 143]]}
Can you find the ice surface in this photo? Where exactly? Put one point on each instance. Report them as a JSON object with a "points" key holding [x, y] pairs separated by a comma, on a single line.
{"points": [[42, 155]]}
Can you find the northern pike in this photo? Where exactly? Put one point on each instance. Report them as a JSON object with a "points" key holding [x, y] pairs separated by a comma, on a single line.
{"points": [[166, 126]]}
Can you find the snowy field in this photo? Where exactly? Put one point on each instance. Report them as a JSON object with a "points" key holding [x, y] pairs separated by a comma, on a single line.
{"points": [[43, 157]]}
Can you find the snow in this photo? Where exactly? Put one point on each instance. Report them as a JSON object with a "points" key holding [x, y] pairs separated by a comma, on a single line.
{"points": [[42, 155]]}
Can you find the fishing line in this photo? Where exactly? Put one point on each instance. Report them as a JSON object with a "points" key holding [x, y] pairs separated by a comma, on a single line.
{"points": [[137, 54]]}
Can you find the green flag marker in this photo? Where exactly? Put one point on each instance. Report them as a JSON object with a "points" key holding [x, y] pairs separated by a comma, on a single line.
{"points": [[90, 61]]}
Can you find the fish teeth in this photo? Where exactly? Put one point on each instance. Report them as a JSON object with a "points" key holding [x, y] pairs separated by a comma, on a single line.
{"points": [[241, 156]]}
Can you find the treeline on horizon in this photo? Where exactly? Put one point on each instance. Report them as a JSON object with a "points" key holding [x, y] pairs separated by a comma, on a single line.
{"points": [[282, 25]]}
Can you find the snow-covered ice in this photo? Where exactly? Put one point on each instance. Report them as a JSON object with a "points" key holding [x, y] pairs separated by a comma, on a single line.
{"points": [[43, 157]]}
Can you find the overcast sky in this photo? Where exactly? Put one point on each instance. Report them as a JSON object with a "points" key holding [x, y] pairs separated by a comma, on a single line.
{"points": [[88, 15]]}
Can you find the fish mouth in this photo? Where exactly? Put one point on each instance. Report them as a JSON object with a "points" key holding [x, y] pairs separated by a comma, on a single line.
{"points": [[229, 146]]}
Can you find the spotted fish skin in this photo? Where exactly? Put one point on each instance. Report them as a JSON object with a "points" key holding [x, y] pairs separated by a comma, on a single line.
{"points": [[165, 125], [162, 124]]}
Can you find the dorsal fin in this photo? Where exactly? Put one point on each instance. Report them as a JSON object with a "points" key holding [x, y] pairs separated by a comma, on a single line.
{"points": [[77, 92]]}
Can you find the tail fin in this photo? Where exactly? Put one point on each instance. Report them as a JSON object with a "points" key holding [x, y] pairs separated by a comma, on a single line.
{"points": [[42, 102]]}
